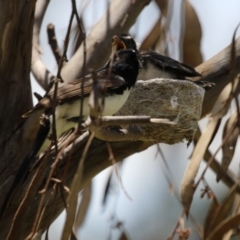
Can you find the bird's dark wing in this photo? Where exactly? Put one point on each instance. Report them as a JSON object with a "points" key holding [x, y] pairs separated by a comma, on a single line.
{"points": [[179, 69], [73, 90]]}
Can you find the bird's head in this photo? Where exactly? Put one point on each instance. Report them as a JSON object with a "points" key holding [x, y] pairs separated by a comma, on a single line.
{"points": [[124, 41]]}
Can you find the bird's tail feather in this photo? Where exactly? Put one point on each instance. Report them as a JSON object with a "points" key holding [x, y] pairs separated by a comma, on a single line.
{"points": [[204, 84]]}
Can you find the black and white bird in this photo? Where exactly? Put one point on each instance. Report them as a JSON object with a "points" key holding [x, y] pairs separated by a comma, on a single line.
{"points": [[154, 65], [115, 79]]}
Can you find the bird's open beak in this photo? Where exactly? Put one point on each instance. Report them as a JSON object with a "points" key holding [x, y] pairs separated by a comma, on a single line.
{"points": [[117, 44]]}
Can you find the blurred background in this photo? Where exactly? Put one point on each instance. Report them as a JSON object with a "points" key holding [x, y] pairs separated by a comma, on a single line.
{"points": [[154, 210]]}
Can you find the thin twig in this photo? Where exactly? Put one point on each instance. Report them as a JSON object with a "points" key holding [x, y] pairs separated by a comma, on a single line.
{"points": [[54, 191], [72, 198], [209, 162], [42, 200], [126, 120], [29, 194], [82, 30], [227, 176], [176, 227], [52, 40], [114, 163], [70, 140], [170, 179], [57, 79]]}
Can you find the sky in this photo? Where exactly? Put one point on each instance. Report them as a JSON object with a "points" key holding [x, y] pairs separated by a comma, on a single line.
{"points": [[154, 210]]}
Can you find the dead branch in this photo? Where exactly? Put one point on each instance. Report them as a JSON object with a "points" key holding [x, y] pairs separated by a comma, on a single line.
{"points": [[217, 70], [52, 40]]}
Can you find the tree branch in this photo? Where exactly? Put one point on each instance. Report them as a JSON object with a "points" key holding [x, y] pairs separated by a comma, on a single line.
{"points": [[122, 15], [52, 40], [217, 70], [40, 72]]}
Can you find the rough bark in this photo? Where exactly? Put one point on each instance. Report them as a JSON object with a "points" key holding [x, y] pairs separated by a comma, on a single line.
{"points": [[15, 62]]}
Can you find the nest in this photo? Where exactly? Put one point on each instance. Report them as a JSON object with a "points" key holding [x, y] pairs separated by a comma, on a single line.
{"points": [[178, 101]]}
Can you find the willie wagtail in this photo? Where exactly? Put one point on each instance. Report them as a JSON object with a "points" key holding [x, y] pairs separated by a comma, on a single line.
{"points": [[154, 65], [115, 83], [116, 80]]}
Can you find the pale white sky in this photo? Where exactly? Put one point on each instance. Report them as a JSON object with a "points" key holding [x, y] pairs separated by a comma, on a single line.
{"points": [[153, 209]]}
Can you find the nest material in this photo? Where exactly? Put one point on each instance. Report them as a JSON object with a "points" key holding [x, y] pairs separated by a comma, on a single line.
{"points": [[178, 101]]}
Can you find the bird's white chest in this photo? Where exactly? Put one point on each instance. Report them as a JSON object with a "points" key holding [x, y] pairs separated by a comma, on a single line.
{"points": [[64, 112], [115, 102]]}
